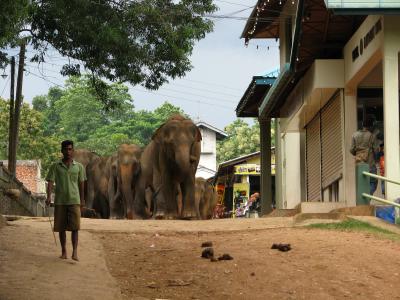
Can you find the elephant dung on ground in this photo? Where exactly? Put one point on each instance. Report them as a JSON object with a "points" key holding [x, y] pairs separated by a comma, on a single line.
{"points": [[169, 164], [205, 198]]}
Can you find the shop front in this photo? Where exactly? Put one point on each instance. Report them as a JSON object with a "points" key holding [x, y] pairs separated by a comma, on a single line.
{"points": [[237, 181]]}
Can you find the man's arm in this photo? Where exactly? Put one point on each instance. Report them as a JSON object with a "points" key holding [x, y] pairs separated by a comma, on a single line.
{"points": [[82, 192], [49, 190]]}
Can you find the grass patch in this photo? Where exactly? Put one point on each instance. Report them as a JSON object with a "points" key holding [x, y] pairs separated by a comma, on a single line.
{"points": [[359, 226]]}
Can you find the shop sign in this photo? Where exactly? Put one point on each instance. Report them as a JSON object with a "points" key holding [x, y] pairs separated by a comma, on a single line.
{"points": [[247, 169], [366, 40]]}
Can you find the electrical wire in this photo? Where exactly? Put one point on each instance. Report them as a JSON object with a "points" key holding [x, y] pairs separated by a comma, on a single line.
{"points": [[182, 99], [5, 86]]}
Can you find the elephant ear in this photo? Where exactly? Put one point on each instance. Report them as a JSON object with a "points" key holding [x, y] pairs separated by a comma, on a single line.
{"points": [[198, 136], [156, 134]]}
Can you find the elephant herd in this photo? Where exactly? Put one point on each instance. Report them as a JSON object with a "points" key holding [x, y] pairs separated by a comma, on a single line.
{"points": [[159, 179]]}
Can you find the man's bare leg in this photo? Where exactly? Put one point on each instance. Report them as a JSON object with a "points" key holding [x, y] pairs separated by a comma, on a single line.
{"points": [[63, 240], [74, 238]]}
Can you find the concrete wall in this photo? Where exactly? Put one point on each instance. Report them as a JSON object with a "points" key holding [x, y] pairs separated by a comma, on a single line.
{"points": [[208, 156], [291, 170], [26, 204]]}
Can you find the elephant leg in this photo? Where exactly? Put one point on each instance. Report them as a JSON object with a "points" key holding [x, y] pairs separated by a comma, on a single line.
{"points": [[188, 194], [204, 207], [149, 200], [90, 195], [179, 201]]}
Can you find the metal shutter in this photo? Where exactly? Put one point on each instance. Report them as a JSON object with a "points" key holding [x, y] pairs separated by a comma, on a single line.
{"points": [[331, 142], [313, 159]]}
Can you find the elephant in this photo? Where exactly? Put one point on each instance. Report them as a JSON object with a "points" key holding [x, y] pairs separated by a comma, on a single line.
{"points": [[85, 157], [168, 166], [111, 183], [98, 177], [205, 198], [124, 173]]}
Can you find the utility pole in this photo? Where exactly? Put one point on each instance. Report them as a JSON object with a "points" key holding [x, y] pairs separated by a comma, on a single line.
{"points": [[11, 166], [17, 109]]}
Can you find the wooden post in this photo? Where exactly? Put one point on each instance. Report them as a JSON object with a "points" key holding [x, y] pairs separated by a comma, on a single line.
{"points": [[266, 180], [17, 110], [11, 167]]}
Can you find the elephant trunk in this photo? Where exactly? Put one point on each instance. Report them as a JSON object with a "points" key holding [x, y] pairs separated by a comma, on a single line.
{"points": [[183, 161], [127, 174]]}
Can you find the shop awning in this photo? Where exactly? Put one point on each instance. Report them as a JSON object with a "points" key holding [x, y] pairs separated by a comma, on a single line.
{"points": [[255, 93], [318, 34]]}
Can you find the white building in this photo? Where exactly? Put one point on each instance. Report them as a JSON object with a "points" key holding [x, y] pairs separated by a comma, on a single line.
{"points": [[208, 158]]}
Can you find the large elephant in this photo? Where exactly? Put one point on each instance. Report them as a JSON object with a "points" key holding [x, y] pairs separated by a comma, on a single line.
{"points": [[205, 198], [124, 173], [168, 167]]}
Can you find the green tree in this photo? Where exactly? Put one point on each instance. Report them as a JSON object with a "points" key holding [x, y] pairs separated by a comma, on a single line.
{"points": [[141, 42], [33, 143], [136, 130], [242, 139], [81, 114]]}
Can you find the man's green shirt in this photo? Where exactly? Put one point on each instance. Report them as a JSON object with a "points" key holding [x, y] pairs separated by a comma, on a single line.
{"points": [[67, 182]]}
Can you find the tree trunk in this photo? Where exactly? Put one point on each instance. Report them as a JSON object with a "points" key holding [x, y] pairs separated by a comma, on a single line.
{"points": [[17, 110], [11, 166]]}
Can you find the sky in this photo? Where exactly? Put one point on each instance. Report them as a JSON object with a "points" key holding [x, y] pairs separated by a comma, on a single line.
{"points": [[222, 70]]}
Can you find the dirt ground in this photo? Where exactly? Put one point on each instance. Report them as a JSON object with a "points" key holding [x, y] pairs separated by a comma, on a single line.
{"points": [[161, 260]]}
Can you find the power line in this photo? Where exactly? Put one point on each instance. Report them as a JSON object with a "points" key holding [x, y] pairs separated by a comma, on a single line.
{"points": [[205, 90], [197, 95], [234, 3], [182, 99], [212, 83], [45, 79], [5, 85]]}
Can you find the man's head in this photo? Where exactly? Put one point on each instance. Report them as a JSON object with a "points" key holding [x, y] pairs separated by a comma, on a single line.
{"points": [[368, 123], [67, 149]]}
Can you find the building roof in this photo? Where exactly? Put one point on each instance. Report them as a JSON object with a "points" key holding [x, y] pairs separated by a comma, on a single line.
{"points": [[263, 21], [253, 96], [318, 34], [220, 134], [238, 160]]}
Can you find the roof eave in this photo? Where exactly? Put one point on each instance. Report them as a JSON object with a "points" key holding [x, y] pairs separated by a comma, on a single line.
{"points": [[287, 73]]}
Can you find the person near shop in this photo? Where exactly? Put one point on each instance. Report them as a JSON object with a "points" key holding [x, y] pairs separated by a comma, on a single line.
{"points": [[363, 147], [68, 176], [381, 157]]}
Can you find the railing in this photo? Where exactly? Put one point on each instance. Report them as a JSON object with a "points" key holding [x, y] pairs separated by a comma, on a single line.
{"points": [[371, 197], [362, 4]]}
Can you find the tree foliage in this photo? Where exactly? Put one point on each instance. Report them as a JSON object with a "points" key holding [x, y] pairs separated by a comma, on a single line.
{"points": [[33, 143], [140, 42], [242, 139], [74, 113]]}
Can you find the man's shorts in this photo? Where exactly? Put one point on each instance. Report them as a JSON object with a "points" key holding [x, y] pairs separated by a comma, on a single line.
{"points": [[67, 218]]}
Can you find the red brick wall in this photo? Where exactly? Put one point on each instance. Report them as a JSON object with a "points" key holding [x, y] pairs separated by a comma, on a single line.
{"points": [[27, 171], [28, 176]]}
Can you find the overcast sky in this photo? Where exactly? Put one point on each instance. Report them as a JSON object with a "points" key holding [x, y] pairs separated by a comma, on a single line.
{"points": [[222, 70]]}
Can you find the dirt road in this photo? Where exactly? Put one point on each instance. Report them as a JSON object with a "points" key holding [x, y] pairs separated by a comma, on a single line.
{"points": [[161, 260]]}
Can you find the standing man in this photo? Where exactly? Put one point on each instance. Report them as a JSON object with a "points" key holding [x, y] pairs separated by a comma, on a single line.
{"points": [[68, 177], [364, 148]]}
